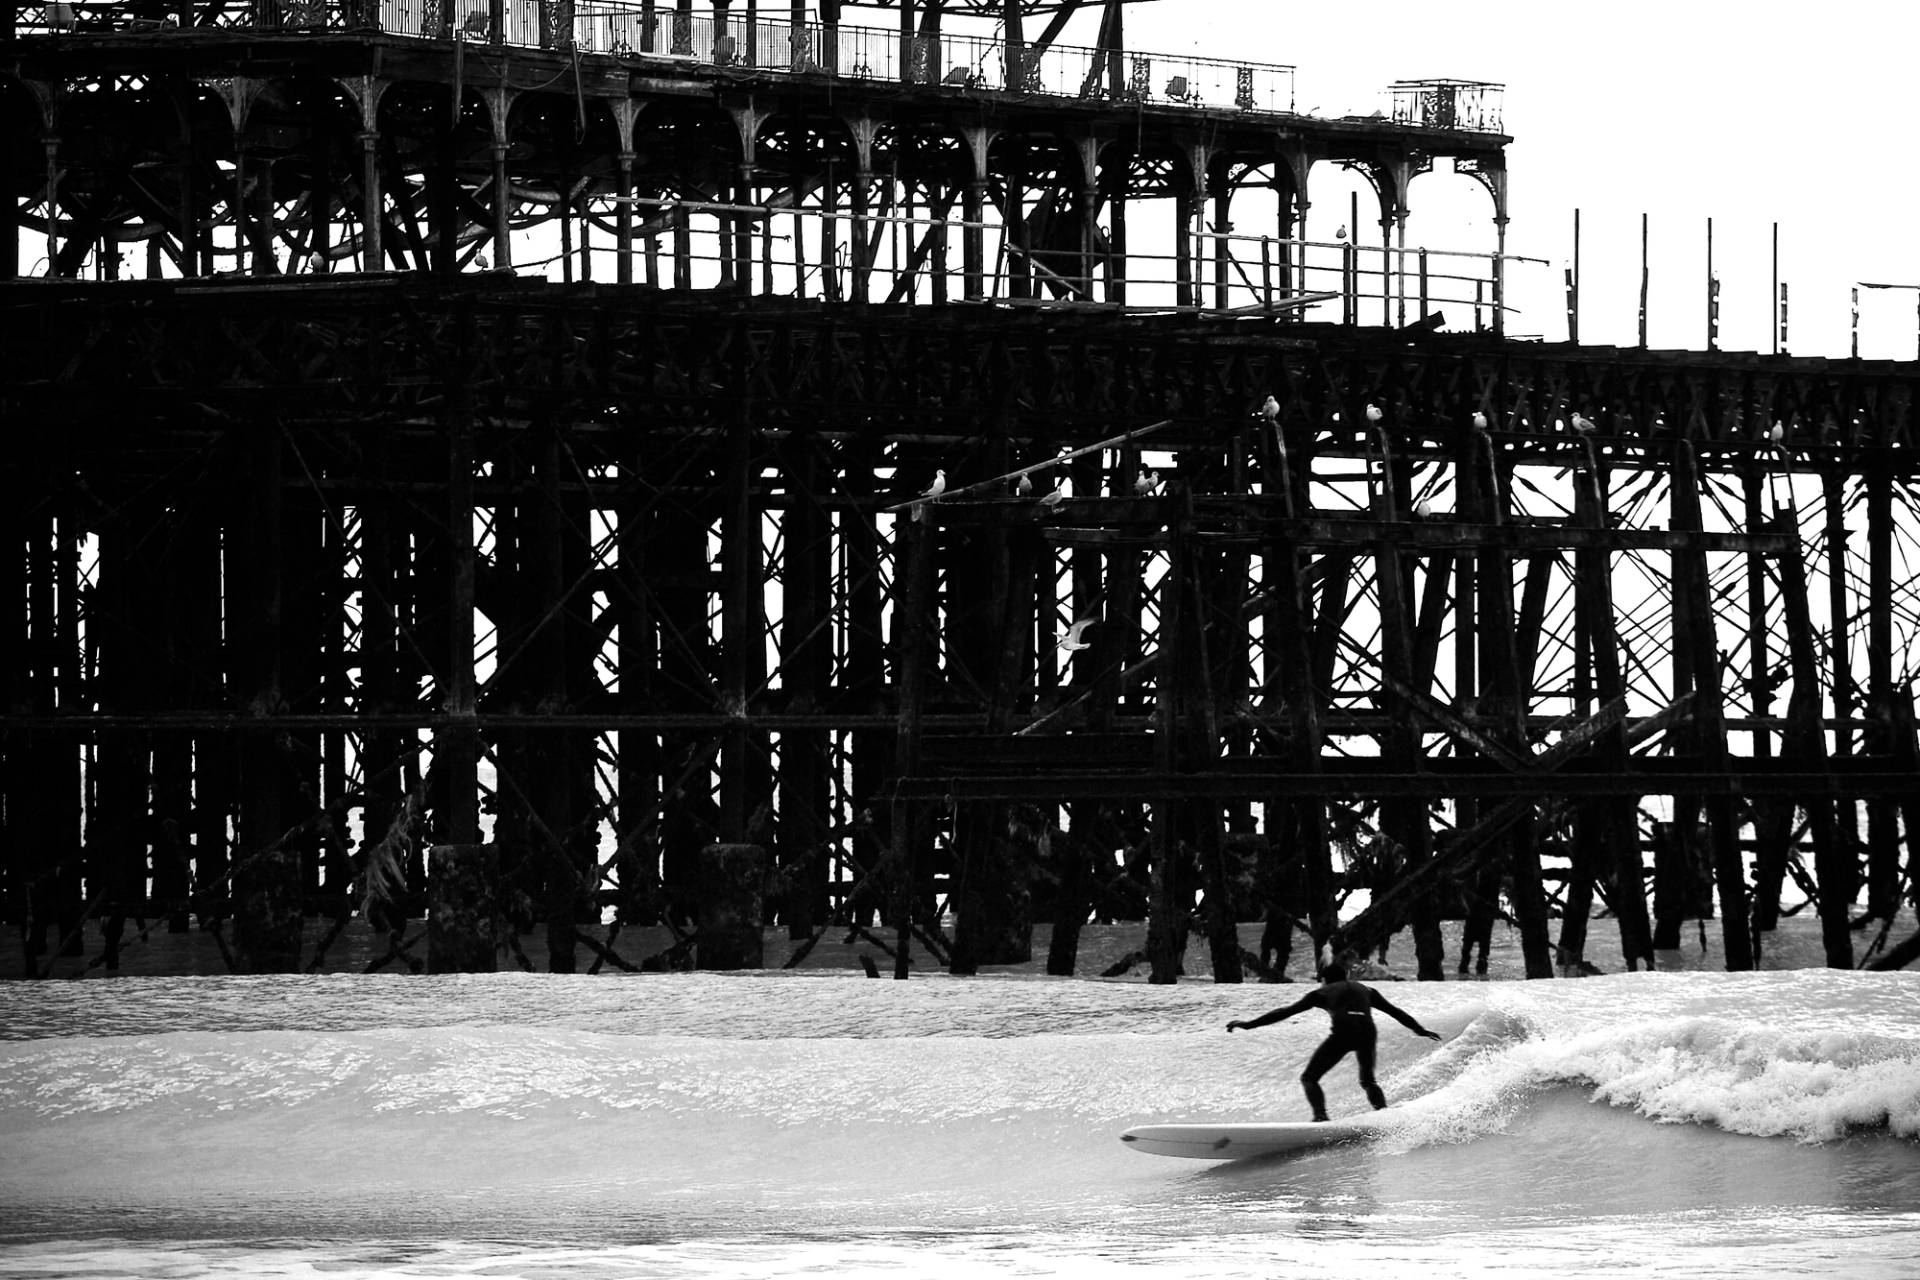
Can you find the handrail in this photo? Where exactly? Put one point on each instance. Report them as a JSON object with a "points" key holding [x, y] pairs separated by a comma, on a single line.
{"points": [[957, 63]]}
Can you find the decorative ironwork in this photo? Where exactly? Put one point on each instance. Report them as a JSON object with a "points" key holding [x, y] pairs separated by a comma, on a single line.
{"points": [[1140, 78], [1448, 104], [1243, 88], [920, 64]]}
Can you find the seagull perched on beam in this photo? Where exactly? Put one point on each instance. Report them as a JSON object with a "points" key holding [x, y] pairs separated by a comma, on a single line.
{"points": [[1055, 498], [1582, 424], [934, 490], [1071, 642], [1270, 410], [1146, 482], [1373, 413], [1778, 433], [1023, 486], [1479, 421]]}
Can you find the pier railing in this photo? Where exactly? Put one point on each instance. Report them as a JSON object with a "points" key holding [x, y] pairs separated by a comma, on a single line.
{"points": [[626, 28]]}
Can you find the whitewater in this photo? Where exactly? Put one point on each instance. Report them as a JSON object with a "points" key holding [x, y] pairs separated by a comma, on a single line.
{"points": [[820, 1123]]}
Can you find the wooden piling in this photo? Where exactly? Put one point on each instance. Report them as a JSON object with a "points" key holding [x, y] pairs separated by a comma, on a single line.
{"points": [[462, 908], [266, 873], [1697, 660], [731, 902]]}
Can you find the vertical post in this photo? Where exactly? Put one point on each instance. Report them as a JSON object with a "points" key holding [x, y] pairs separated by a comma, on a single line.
{"points": [[502, 206], [1400, 262], [1608, 827], [862, 231], [1573, 286], [52, 145], [1644, 278], [456, 748], [910, 619], [1167, 913], [461, 908], [1806, 744], [973, 238], [806, 660], [1772, 815], [1695, 644], [830, 36], [1404, 819], [1222, 246], [266, 878], [1509, 695], [1774, 292], [907, 67], [547, 782], [1883, 848], [1846, 702], [1713, 296], [623, 220], [1016, 47]]}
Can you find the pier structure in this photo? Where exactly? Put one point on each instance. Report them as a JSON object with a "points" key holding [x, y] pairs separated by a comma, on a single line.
{"points": [[797, 569], [800, 157]]}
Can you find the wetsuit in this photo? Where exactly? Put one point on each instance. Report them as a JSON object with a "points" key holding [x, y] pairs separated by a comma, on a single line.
{"points": [[1350, 1005]]}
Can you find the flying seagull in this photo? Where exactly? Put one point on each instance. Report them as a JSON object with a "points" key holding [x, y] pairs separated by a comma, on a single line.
{"points": [[1072, 642]]}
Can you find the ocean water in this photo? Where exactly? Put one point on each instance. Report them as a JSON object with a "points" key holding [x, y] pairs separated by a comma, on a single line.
{"points": [[822, 1124]]}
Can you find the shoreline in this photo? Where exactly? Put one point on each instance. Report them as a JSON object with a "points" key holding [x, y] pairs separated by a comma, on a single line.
{"points": [[1795, 945]]}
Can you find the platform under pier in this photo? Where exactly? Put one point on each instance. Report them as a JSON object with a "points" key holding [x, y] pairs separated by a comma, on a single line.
{"points": [[680, 513]]}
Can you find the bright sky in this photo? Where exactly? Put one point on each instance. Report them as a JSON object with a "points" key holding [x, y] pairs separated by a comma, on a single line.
{"points": [[1800, 113]]}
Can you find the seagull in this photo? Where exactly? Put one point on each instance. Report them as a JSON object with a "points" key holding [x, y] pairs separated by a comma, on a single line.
{"points": [[1421, 510], [934, 490], [1055, 498], [1479, 421], [1270, 409], [1146, 482], [1373, 413], [1341, 234], [317, 263], [1582, 424], [1072, 642], [1023, 486], [1778, 433]]}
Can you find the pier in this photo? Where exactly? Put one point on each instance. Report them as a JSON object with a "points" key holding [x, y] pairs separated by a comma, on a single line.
{"points": [[657, 462]]}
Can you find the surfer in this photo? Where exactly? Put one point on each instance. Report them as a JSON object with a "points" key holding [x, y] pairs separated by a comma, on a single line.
{"points": [[1350, 1004]]}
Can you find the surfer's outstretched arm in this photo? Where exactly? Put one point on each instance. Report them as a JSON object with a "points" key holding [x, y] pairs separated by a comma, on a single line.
{"points": [[1401, 1016], [1311, 1000]]}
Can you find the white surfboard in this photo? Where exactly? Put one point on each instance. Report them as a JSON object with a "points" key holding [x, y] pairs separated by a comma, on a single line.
{"points": [[1244, 1141]]}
